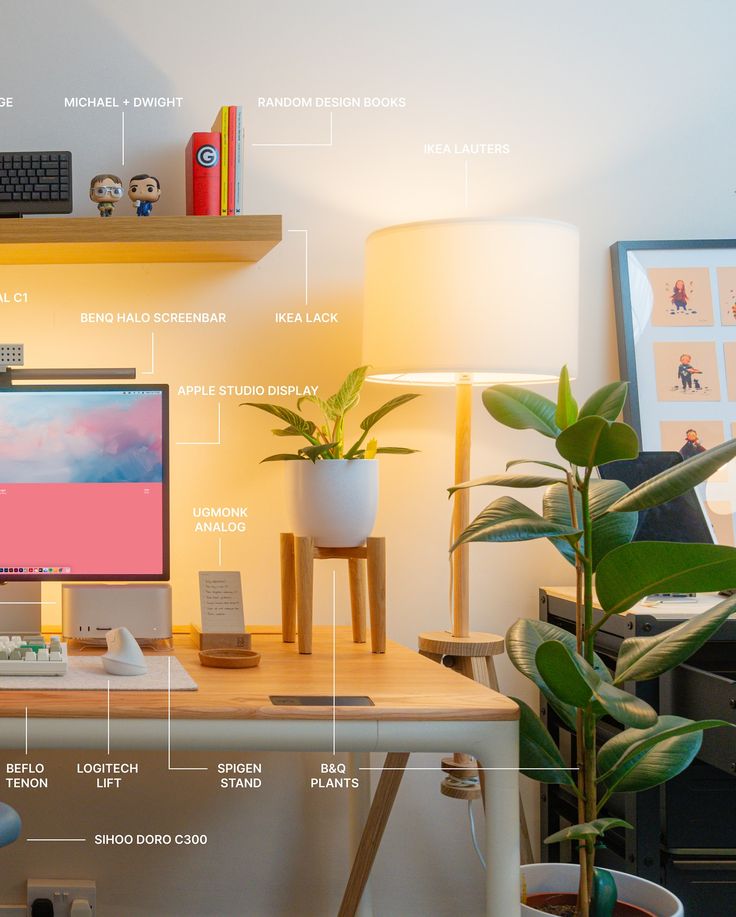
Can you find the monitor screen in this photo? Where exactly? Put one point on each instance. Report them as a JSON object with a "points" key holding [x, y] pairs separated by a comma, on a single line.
{"points": [[84, 482]]}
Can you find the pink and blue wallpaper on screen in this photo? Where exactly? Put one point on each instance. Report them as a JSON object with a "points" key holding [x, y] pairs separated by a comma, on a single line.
{"points": [[81, 482]]}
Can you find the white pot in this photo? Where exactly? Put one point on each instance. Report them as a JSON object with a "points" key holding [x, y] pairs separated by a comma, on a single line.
{"points": [[563, 877], [334, 501]]}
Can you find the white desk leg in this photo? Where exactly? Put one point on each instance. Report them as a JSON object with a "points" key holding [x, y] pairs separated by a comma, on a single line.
{"points": [[503, 882], [360, 806]]}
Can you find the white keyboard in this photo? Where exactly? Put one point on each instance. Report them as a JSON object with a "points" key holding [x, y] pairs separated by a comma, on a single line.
{"points": [[32, 656]]}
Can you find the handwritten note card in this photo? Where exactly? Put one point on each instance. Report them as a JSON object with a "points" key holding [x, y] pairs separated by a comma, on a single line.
{"points": [[221, 601]]}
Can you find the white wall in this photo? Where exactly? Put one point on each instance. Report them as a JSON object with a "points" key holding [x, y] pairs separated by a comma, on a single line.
{"points": [[618, 117]]}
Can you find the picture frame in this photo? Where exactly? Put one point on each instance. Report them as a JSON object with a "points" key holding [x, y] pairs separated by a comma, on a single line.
{"points": [[675, 305]]}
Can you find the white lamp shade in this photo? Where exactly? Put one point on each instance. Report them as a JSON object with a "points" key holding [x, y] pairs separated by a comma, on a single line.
{"points": [[484, 301]]}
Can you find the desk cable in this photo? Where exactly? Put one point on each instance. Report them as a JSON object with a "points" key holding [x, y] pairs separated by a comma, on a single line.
{"points": [[449, 779], [473, 835]]}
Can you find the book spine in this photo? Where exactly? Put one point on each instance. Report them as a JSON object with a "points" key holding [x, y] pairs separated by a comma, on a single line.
{"points": [[239, 157], [202, 167], [232, 136], [220, 125]]}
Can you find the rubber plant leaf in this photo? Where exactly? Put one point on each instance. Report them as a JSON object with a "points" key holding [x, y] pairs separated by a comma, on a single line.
{"points": [[566, 412], [642, 658], [595, 441], [677, 480], [508, 520], [521, 409], [539, 757], [607, 402], [641, 568], [610, 530], [509, 480]]}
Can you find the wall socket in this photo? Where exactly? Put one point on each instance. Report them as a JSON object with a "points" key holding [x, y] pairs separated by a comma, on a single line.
{"points": [[11, 355], [61, 893]]}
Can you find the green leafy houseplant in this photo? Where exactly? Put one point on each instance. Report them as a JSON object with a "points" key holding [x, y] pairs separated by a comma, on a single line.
{"points": [[326, 439], [592, 522]]}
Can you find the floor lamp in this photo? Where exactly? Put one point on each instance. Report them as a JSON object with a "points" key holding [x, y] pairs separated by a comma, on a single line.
{"points": [[468, 303]]}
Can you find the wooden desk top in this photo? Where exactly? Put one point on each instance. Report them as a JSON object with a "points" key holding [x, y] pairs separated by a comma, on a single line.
{"points": [[402, 684]]}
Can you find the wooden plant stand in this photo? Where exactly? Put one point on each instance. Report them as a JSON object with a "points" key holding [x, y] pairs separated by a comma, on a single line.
{"points": [[366, 567]]}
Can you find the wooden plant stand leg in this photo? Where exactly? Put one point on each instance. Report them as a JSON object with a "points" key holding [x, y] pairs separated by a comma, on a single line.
{"points": [[288, 589], [383, 800], [376, 549], [303, 557], [356, 571], [471, 656]]}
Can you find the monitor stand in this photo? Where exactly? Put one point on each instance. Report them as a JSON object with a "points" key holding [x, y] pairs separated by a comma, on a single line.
{"points": [[20, 608]]}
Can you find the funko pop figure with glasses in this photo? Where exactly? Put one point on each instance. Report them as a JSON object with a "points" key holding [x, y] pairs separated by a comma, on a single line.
{"points": [[105, 191], [144, 191]]}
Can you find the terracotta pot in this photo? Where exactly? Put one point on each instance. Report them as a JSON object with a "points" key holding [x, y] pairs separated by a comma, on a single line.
{"points": [[649, 898], [334, 501]]}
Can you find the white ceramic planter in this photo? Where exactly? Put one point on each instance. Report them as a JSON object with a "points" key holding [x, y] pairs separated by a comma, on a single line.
{"points": [[334, 501], [563, 877]]}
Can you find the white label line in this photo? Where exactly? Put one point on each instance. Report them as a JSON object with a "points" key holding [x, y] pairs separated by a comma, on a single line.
{"points": [[122, 137], [168, 729], [334, 663], [449, 771], [302, 144], [150, 372], [306, 262], [218, 441], [108, 716], [56, 840], [26, 730]]}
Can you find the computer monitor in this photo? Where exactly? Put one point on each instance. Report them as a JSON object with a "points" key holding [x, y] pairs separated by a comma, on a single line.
{"points": [[84, 482]]}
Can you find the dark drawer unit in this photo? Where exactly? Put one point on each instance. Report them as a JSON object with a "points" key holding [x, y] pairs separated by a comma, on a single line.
{"points": [[703, 688], [685, 835], [706, 885]]}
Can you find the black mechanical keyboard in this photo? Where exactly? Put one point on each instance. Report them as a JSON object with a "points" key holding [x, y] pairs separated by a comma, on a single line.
{"points": [[37, 182]]}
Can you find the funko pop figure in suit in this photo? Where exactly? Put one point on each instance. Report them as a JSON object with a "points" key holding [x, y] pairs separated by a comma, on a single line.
{"points": [[144, 191], [105, 190]]}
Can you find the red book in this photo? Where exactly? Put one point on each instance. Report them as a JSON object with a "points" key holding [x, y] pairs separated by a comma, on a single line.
{"points": [[203, 174], [232, 133]]}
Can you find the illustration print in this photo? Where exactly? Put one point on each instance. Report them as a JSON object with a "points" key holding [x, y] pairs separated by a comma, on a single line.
{"points": [[686, 371], [681, 296], [729, 354], [689, 438], [727, 294]]}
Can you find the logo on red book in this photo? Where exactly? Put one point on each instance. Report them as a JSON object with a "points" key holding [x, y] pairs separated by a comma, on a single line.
{"points": [[207, 156]]}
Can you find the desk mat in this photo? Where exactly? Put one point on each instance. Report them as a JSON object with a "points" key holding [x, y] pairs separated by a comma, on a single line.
{"points": [[85, 673]]}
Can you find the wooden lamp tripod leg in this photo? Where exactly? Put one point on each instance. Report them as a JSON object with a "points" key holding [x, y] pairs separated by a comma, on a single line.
{"points": [[383, 800]]}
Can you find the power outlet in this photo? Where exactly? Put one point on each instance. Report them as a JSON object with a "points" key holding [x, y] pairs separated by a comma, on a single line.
{"points": [[61, 893], [11, 355]]}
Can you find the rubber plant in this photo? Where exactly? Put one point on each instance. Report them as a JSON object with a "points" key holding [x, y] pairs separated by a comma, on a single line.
{"points": [[326, 439], [592, 522]]}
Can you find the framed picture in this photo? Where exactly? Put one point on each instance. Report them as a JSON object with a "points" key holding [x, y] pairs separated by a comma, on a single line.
{"points": [[676, 322]]}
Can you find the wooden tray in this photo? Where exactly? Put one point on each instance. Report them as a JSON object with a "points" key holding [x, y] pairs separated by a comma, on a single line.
{"points": [[230, 658]]}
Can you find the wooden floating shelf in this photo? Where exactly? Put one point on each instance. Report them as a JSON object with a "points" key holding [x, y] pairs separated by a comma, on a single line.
{"points": [[88, 240]]}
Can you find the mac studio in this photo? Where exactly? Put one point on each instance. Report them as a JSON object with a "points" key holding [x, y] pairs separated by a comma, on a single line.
{"points": [[203, 712]]}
